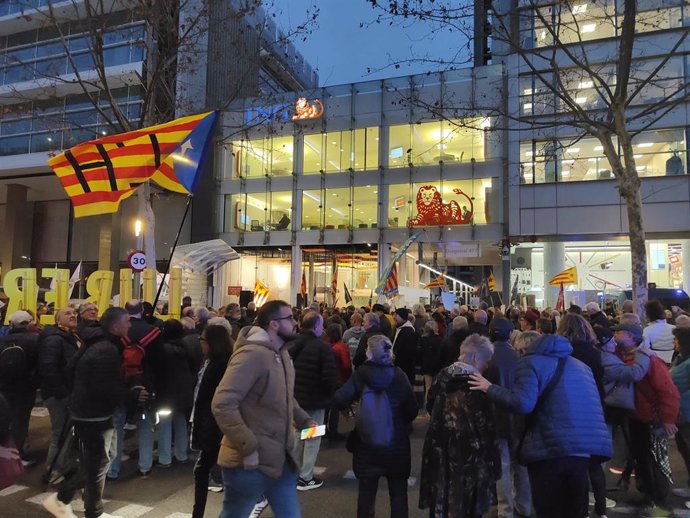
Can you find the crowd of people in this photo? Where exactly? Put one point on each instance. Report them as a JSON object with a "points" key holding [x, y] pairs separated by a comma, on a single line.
{"points": [[524, 409]]}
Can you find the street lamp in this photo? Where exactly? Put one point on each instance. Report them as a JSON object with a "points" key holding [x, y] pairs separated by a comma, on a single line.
{"points": [[137, 228]]}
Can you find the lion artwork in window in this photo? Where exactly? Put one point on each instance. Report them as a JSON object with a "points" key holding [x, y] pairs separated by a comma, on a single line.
{"points": [[432, 211], [304, 110]]}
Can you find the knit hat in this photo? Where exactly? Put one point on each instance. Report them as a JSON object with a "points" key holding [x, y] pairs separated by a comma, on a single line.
{"points": [[634, 329], [531, 317], [403, 313], [501, 328]]}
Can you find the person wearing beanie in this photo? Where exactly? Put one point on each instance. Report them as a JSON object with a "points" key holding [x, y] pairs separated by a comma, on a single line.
{"points": [[384, 322], [512, 489], [405, 343], [528, 321], [680, 374], [393, 461]]}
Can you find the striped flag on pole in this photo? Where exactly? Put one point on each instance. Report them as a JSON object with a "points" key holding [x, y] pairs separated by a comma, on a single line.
{"points": [[303, 288], [334, 280], [261, 293], [491, 282], [566, 277], [348, 296], [391, 288], [98, 174]]}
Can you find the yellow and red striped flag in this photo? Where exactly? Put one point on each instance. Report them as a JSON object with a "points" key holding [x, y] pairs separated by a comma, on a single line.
{"points": [[334, 281], [261, 293], [97, 175], [438, 282], [491, 282], [566, 277], [303, 287], [391, 288]]}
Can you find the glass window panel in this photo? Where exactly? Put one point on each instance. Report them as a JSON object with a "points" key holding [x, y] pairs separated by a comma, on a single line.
{"points": [[235, 213], [365, 206], [15, 126], [258, 157], [398, 205], [311, 209], [338, 205], [14, 145], [458, 202], [660, 153], [257, 212], [18, 73], [46, 141], [50, 49], [74, 136], [281, 210], [313, 153], [282, 155], [51, 67], [337, 151], [398, 145], [116, 56]]}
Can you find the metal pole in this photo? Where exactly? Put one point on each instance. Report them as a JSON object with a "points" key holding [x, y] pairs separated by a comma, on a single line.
{"points": [[172, 251]]}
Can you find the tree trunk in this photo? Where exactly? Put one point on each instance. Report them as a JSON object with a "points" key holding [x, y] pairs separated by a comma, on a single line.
{"points": [[638, 250]]}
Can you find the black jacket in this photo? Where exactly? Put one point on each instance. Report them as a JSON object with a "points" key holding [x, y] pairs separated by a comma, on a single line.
{"points": [[175, 389], [591, 356], [98, 383], [56, 349], [600, 319], [450, 347], [480, 329], [501, 371], [29, 343], [205, 432], [393, 460], [430, 352], [315, 371], [405, 348]]}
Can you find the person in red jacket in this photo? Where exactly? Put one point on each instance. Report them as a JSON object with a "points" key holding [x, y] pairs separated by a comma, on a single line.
{"points": [[334, 337], [657, 403]]}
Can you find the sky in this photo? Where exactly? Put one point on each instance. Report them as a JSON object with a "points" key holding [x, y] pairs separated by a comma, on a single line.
{"points": [[342, 50]]}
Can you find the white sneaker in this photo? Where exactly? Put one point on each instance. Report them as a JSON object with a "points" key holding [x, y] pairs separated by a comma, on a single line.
{"points": [[258, 508], [57, 508]]}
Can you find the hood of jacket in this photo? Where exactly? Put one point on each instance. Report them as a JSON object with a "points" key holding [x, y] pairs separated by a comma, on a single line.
{"points": [[551, 345], [377, 376], [254, 335]]}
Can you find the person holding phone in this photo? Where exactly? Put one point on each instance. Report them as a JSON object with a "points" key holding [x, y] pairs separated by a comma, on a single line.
{"points": [[255, 410]]}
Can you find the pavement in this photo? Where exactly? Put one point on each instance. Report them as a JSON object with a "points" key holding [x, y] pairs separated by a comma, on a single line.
{"points": [[169, 493]]}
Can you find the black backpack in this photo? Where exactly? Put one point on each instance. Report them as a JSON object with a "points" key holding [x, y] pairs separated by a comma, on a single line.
{"points": [[13, 364]]}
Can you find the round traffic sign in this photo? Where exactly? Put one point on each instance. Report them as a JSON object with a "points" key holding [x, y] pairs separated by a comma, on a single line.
{"points": [[137, 260]]}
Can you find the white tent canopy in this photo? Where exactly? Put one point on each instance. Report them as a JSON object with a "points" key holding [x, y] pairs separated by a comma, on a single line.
{"points": [[205, 257]]}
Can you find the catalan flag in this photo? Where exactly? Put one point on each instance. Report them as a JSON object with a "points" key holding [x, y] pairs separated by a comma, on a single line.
{"points": [[438, 282], [566, 277], [391, 289], [261, 293], [491, 282], [334, 281], [97, 175], [303, 287]]}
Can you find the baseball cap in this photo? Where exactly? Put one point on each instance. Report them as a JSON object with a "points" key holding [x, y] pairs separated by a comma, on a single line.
{"points": [[634, 329], [19, 318]]}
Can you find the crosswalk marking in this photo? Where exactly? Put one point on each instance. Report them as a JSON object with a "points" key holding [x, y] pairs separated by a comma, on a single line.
{"points": [[10, 490], [38, 499], [132, 511], [179, 515]]}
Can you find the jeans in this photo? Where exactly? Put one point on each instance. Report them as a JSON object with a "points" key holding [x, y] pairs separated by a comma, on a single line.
{"points": [[397, 492], [202, 469], [57, 409], [20, 404], [308, 450], [243, 488], [95, 441], [166, 424], [144, 438], [560, 487], [512, 489]]}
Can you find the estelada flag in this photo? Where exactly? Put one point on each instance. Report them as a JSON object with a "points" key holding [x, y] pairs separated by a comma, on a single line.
{"points": [[261, 293], [98, 174], [566, 277], [491, 282], [391, 288]]}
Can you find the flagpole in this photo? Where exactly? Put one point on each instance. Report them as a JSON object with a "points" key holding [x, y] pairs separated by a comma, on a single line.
{"points": [[172, 251]]}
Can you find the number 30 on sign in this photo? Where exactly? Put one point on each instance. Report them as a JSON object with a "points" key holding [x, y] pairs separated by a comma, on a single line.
{"points": [[137, 260]]}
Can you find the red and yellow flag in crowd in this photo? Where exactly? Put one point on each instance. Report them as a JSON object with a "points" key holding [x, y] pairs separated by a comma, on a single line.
{"points": [[566, 277], [438, 282], [491, 282], [261, 293], [391, 288], [98, 174]]}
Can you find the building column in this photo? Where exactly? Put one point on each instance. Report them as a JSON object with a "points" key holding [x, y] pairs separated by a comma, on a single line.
{"points": [[685, 257], [296, 267], [16, 238], [554, 263], [109, 244]]}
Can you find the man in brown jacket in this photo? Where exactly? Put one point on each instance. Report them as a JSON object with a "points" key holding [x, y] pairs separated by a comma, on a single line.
{"points": [[255, 409]]}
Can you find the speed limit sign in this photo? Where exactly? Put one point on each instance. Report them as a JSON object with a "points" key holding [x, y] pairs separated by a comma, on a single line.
{"points": [[137, 260]]}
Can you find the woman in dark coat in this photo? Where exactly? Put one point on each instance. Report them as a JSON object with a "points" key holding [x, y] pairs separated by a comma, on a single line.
{"points": [[216, 346], [460, 461], [369, 462], [430, 352], [174, 394]]}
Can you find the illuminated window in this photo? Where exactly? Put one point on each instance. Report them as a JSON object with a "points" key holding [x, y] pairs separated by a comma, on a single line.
{"points": [[432, 142], [312, 209], [259, 157], [365, 206], [458, 202], [339, 151]]}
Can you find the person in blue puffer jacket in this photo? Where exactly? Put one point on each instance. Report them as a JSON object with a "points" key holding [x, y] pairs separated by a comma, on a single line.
{"points": [[566, 430], [680, 374]]}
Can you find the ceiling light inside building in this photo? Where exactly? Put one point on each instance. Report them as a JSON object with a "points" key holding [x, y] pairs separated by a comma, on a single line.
{"points": [[527, 91], [580, 100], [527, 106], [565, 172], [590, 27], [598, 148], [579, 9], [645, 144], [585, 84], [573, 150], [569, 161]]}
